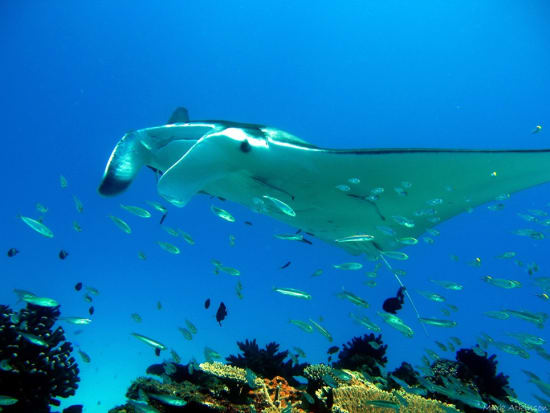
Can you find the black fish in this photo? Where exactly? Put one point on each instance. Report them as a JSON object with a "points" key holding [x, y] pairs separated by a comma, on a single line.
{"points": [[78, 286], [248, 222], [157, 351], [12, 252], [163, 218], [286, 265], [221, 313], [63, 254], [207, 303], [393, 304], [91, 310], [333, 349], [307, 241]]}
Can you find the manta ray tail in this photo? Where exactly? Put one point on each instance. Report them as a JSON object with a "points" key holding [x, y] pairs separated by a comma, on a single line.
{"points": [[405, 291]]}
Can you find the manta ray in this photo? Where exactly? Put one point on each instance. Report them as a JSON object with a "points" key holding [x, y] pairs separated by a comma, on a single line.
{"points": [[363, 200]]}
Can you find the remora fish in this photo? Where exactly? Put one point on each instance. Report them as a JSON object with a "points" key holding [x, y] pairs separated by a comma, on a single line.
{"points": [[242, 162], [153, 343], [77, 320], [293, 293]]}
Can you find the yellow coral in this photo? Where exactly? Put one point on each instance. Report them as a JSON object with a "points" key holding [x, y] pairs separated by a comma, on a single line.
{"points": [[351, 399], [224, 371]]}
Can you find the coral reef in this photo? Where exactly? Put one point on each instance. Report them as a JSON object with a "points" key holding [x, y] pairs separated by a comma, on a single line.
{"points": [[407, 373], [471, 383], [36, 365], [366, 353], [225, 371], [482, 371], [268, 362], [356, 399], [223, 389]]}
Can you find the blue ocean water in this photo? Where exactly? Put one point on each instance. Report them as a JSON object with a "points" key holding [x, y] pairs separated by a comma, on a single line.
{"points": [[77, 75]]}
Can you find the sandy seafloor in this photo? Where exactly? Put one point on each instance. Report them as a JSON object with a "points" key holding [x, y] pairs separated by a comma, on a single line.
{"points": [[76, 76]]}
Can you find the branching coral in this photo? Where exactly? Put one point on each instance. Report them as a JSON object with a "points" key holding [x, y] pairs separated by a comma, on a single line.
{"points": [[36, 365], [471, 382], [366, 353], [268, 362], [482, 371]]}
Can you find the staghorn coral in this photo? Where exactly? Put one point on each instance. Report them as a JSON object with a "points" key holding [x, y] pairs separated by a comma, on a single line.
{"points": [[267, 363], [36, 362], [360, 354]]}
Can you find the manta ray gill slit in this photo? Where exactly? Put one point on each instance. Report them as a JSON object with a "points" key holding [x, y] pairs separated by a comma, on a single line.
{"points": [[264, 182]]}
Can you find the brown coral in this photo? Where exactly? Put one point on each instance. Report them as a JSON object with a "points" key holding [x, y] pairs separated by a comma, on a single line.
{"points": [[274, 395]]}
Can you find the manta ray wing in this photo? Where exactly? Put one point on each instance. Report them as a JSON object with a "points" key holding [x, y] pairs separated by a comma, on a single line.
{"points": [[386, 193], [338, 193]]}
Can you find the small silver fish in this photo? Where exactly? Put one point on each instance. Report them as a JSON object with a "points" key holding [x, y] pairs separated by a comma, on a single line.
{"points": [[84, 356], [121, 224], [396, 323], [162, 209], [348, 266], [63, 182], [501, 282], [150, 341], [302, 325], [356, 238], [321, 330], [222, 213], [284, 208], [186, 333], [140, 212], [37, 226], [166, 246], [40, 301], [437, 322], [191, 326], [31, 338], [293, 293], [396, 255], [77, 320], [7, 400], [78, 204]]}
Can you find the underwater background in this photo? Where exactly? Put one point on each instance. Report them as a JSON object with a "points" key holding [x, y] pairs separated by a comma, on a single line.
{"points": [[76, 76]]}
